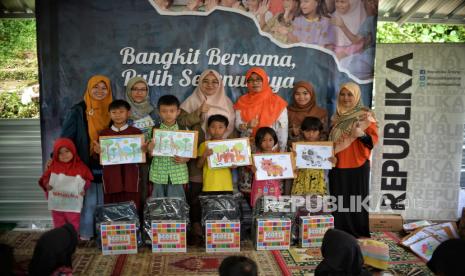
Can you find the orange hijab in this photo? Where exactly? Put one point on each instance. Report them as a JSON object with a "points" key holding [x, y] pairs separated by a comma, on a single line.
{"points": [[98, 117], [264, 104]]}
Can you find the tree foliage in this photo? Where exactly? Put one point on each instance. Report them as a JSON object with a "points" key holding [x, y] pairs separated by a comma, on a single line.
{"points": [[388, 32], [17, 39]]}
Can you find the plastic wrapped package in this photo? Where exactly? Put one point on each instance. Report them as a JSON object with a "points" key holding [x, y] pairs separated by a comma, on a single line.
{"points": [[273, 209], [219, 207], [246, 219], [122, 212], [163, 208]]}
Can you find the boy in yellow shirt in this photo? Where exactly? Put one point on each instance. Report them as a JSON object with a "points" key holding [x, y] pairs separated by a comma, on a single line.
{"points": [[218, 180]]}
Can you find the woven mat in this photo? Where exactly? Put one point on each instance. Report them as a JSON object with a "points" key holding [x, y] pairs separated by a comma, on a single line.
{"points": [[88, 259], [303, 261]]}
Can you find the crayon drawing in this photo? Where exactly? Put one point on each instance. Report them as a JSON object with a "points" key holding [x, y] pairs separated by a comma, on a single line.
{"points": [[181, 143], [313, 155], [124, 149], [425, 248], [229, 152], [273, 166]]}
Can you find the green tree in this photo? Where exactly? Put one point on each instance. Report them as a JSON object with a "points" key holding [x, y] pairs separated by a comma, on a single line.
{"points": [[134, 149], [186, 143], [388, 32], [105, 144]]}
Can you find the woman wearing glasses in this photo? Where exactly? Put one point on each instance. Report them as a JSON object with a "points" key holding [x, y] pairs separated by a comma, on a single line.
{"points": [[260, 107], [209, 98], [143, 116]]}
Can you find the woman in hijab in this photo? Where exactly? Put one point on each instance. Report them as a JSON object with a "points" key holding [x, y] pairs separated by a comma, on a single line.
{"points": [[260, 107], [209, 98], [354, 133], [341, 256], [447, 259], [350, 14], [303, 105], [82, 125], [143, 116], [54, 251]]}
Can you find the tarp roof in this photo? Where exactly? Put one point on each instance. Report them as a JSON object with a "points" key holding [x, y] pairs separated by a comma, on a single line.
{"points": [[400, 11]]}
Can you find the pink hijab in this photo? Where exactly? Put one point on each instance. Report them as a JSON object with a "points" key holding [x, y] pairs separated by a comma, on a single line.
{"points": [[219, 103]]}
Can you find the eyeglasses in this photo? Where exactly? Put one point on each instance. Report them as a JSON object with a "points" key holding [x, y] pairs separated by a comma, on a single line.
{"points": [[140, 90], [213, 83], [250, 80]]}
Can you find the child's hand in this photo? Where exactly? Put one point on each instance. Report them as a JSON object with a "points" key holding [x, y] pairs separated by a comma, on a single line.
{"points": [[337, 21], [180, 160], [82, 193], [254, 169], [210, 4], [151, 146], [144, 147], [193, 5], [207, 153], [47, 165], [49, 188], [333, 159], [263, 7], [97, 148]]}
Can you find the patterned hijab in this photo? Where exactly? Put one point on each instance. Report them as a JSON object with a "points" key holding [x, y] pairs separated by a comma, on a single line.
{"points": [[265, 105], [98, 117], [138, 110], [297, 113], [219, 103], [345, 119]]}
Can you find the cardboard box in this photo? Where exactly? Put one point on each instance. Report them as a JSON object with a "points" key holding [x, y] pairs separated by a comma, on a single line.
{"points": [[313, 228], [273, 234], [385, 222], [169, 236], [118, 238], [223, 236]]}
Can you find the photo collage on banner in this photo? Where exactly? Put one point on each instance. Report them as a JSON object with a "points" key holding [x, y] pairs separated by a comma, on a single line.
{"points": [[169, 43]]}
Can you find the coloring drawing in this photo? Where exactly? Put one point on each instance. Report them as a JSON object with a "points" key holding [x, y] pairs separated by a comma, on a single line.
{"points": [[425, 248], [273, 166], [175, 143], [124, 149], [229, 152], [313, 155]]}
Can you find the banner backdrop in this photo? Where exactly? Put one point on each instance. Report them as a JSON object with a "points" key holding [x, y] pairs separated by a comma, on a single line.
{"points": [[170, 48], [420, 105]]}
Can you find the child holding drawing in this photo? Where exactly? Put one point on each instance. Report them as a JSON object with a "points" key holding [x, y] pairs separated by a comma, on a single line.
{"points": [[266, 141], [120, 181], [218, 180], [168, 174], [311, 181], [68, 176]]}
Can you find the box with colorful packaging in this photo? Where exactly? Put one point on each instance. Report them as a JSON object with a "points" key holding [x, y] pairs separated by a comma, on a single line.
{"points": [[273, 234], [223, 235], [169, 236], [118, 238], [313, 228]]}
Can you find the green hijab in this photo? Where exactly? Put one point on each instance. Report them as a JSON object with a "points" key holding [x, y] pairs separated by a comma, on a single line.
{"points": [[138, 110]]}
